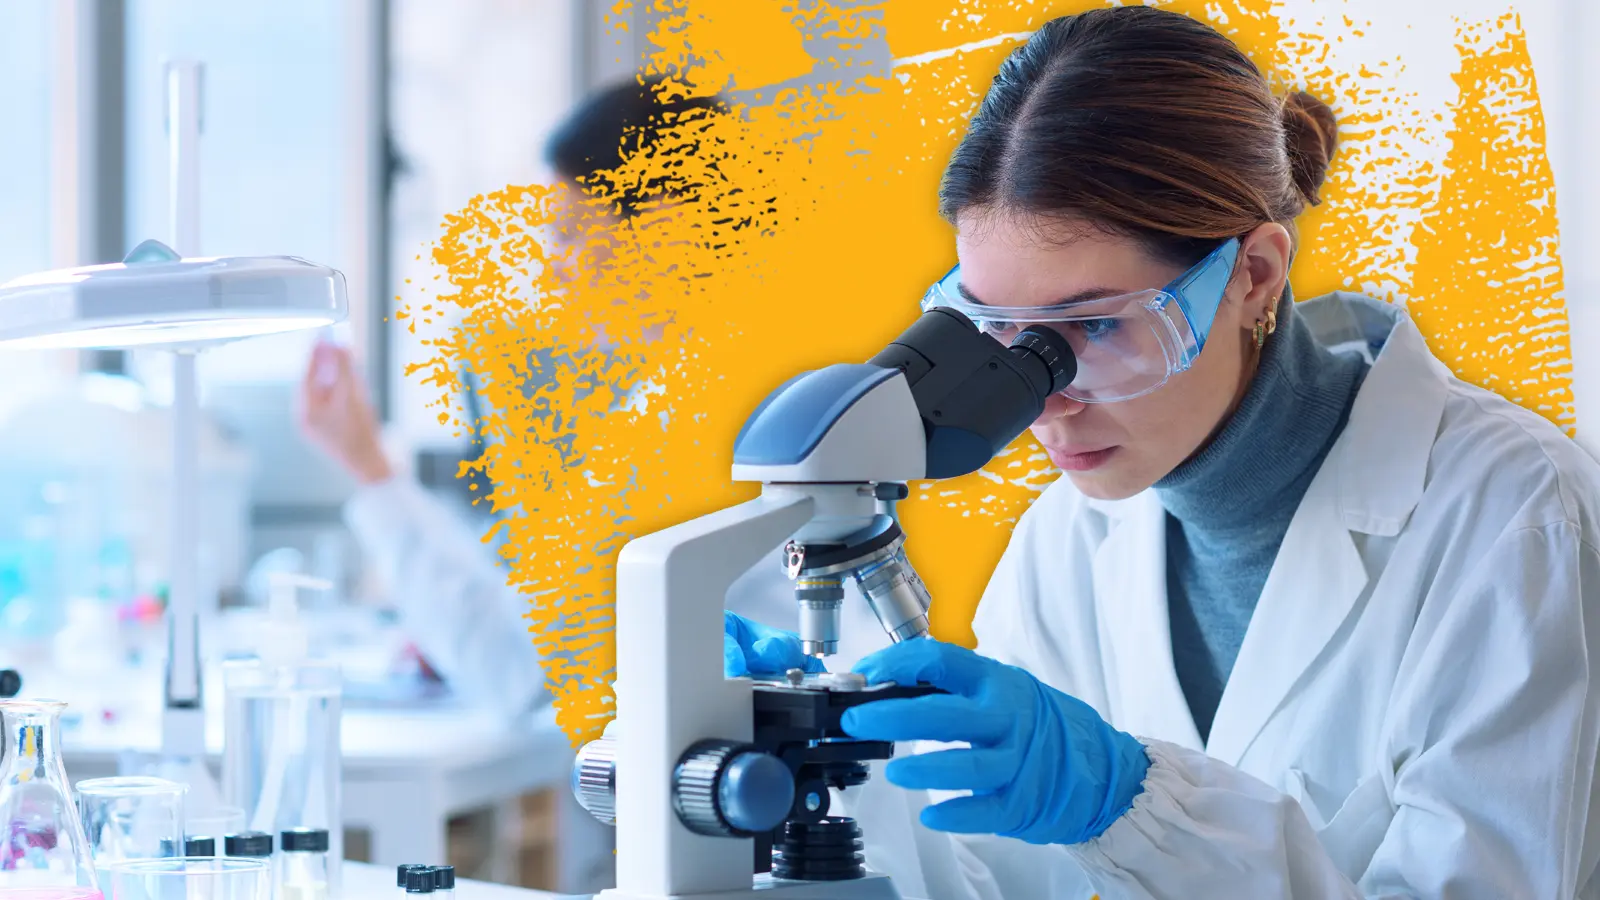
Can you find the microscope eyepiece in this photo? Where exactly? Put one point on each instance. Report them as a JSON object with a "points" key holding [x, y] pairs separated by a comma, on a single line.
{"points": [[1038, 346], [974, 394]]}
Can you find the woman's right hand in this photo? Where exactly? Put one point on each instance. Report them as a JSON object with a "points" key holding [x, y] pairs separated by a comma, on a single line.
{"points": [[750, 648]]}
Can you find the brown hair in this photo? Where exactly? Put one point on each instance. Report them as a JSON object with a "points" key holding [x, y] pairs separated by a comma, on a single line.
{"points": [[626, 119], [1145, 123]]}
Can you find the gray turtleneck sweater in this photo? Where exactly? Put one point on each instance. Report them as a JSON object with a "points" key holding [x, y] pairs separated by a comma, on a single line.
{"points": [[1229, 506]]}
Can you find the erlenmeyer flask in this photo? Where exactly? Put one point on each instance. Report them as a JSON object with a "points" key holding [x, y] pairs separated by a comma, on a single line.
{"points": [[44, 854]]}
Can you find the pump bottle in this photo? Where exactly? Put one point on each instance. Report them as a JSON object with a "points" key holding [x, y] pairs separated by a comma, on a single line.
{"points": [[281, 736]]}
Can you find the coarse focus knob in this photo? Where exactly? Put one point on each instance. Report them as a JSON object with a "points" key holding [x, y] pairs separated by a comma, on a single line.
{"points": [[594, 779], [728, 789]]}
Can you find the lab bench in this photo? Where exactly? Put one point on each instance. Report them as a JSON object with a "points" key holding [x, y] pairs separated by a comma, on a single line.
{"points": [[373, 882], [407, 772]]}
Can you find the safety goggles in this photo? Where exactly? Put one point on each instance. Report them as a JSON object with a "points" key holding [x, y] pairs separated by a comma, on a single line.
{"points": [[1127, 345]]}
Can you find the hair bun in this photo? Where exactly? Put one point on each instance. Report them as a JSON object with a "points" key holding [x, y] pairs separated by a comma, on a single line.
{"points": [[1310, 134]]}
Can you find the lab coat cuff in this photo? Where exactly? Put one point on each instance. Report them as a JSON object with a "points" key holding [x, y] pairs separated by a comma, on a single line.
{"points": [[1102, 849], [1171, 818]]}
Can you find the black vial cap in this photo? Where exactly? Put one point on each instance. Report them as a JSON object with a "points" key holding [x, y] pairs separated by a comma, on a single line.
{"points": [[304, 840], [444, 878], [249, 843], [420, 880], [401, 873], [199, 846]]}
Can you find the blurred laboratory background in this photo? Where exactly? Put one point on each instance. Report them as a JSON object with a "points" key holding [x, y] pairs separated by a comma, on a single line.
{"points": [[343, 132], [340, 131]]}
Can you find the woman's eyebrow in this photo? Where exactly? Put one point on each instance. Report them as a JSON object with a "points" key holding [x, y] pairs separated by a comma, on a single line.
{"points": [[1094, 293]]}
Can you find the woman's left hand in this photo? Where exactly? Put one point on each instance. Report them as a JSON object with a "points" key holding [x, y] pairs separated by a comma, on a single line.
{"points": [[1042, 766]]}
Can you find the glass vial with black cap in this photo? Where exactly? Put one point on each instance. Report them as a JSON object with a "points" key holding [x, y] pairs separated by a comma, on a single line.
{"points": [[192, 846], [444, 882], [303, 864], [248, 845], [420, 880], [401, 873]]}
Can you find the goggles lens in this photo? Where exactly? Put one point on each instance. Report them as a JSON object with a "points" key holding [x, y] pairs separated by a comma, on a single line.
{"points": [[1120, 348], [1127, 345]]}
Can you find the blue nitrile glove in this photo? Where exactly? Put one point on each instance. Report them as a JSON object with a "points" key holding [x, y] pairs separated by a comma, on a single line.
{"points": [[751, 648], [1042, 766]]}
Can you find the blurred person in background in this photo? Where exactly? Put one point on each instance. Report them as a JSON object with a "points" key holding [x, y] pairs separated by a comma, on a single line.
{"points": [[453, 599]]}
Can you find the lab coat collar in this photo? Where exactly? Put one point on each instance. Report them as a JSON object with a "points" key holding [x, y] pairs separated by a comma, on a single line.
{"points": [[1370, 482], [1381, 459]]}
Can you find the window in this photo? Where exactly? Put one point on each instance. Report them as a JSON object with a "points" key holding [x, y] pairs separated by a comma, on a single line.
{"points": [[270, 152], [25, 42], [475, 86], [27, 37]]}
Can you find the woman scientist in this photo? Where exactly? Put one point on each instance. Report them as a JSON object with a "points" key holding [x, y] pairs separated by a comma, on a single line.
{"points": [[453, 599], [1349, 604]]}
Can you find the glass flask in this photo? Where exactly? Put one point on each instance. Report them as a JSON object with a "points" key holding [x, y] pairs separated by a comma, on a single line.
{"points": [[44, 854]]}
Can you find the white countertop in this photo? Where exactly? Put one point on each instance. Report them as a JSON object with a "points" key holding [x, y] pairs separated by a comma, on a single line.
{"points": [[369, 882], [371, 737]]}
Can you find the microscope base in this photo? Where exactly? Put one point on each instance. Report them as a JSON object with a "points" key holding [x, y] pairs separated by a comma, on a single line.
{"points": [[872, 887]]}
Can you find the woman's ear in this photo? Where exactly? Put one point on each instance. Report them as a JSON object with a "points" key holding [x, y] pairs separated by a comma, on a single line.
{"points": [[1262, 271]]}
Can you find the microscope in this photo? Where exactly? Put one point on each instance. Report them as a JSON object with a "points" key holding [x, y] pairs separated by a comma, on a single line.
{"points": [[719, 787]]}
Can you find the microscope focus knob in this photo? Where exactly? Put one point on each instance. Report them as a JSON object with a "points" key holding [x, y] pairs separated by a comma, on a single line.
{"points": [[728, 789], [594, 779]]}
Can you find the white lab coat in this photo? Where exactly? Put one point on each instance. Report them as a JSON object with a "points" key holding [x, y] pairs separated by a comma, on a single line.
{"points": [[452, 597], [1413, 712]]}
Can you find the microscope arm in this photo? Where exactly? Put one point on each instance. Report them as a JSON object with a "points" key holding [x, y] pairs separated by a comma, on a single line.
{"points": [[670, 680]]}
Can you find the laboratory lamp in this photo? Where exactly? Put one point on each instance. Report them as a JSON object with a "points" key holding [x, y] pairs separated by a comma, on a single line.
{"points": [[159, 298], [155, 299]]}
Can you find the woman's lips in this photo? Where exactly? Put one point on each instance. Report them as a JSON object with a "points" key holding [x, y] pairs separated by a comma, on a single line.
{"points": [[1075, 460]]}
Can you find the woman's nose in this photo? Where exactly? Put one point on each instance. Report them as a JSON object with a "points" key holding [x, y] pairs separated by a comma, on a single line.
{"points": [[1059, 406]]}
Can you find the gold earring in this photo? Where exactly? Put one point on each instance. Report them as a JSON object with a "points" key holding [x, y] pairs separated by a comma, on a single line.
{"points": [[1260, 334], [1272, 320]]}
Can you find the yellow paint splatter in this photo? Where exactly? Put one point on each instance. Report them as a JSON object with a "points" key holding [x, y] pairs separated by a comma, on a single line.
{"points": [[1488, 278], [1471, 245], [806, 233]]}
